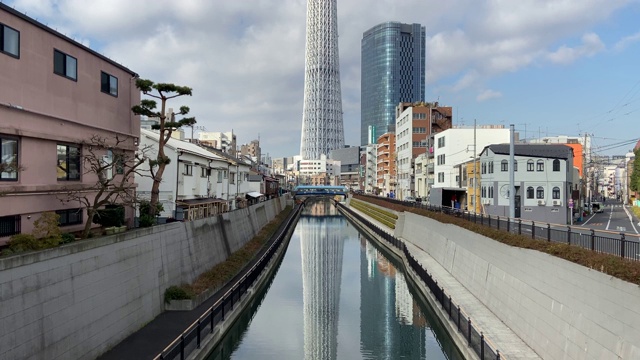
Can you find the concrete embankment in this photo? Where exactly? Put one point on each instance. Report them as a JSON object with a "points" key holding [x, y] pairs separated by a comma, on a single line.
{"points": [[79, 300], [556, 308]]}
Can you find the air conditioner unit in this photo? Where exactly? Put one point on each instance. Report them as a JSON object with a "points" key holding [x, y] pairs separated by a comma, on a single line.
{"points": [[557, 202], [541, 202]]}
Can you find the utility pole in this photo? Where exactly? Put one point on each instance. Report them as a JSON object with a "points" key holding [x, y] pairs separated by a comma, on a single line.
{"points": [[512, 192], [475, 169]]}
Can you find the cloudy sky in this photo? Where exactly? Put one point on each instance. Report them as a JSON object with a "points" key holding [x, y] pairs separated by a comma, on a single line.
{"points": [[551, 67]]}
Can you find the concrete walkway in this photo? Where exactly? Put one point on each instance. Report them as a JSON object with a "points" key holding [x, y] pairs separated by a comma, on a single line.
{"points": [[496, 332]]}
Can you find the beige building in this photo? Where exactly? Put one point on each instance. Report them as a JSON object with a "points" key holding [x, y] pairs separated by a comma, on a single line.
{"points": [[386, 173], [55, 95]]}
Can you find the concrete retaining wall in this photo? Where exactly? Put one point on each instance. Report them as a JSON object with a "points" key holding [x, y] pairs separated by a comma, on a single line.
{"points": [[560, 309], [79, 300]]}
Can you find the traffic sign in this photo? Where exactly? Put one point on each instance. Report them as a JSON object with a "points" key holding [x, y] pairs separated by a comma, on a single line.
{"points": [[570, 203]]}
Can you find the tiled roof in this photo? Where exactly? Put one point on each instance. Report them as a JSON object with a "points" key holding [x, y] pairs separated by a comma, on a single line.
{"points": [[554, 151]]}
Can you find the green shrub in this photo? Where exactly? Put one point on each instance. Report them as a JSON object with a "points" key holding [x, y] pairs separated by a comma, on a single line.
{"points": [[145, 219], [20, 243], [176, 293], [47, 226], [67, 238]]}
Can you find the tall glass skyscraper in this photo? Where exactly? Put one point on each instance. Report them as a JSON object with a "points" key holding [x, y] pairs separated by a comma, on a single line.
{"points": [[392, 71]]}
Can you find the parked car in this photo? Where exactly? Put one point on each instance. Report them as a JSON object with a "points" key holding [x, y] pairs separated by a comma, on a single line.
{"points": [[410, 199], [597, 207]]}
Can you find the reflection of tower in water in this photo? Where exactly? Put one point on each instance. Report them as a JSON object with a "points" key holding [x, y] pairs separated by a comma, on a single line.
{"points": [[322, 249], [391, 323]]}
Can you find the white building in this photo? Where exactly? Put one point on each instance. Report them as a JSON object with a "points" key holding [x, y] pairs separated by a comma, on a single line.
{"points": [[225, 141], [455, 146], [423, 182], [309, 168], [194, 175], [371, 168], [543, 181]]}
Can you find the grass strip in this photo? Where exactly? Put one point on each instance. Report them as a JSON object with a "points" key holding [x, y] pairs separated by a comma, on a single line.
{"points": [[385, 217]]}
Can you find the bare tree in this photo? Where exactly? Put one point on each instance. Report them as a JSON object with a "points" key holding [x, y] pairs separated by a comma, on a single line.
{"points": [[9, 167], [106, 160], [167, 125]]}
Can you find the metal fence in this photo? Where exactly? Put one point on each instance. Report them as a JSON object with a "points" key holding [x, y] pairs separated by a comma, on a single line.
{"points": [[10, 225], [582, 237], [457, 316], [191, 338]]}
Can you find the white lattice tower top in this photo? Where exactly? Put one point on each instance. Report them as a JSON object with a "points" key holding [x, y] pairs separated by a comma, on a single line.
{"points": [[322, 127]]}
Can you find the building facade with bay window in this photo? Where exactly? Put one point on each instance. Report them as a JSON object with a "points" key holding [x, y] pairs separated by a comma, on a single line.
{"points": [[56, 95], [543, 181]]}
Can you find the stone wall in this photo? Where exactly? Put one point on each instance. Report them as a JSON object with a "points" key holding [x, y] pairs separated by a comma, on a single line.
{"points": [[560, 309], [79, 300]]}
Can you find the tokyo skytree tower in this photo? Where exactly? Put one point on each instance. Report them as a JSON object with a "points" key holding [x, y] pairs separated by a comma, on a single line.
{"points": [[322, 128]]}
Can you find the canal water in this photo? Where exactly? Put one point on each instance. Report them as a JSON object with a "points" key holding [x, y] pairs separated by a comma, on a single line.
{"points": [[336, 296]]}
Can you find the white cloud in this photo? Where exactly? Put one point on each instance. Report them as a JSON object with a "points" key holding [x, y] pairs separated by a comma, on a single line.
{"points": [[488, 94], [626, 41], [245, 59], [591, 45]]}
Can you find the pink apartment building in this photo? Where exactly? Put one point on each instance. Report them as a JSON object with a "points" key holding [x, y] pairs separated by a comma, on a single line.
{"points": [[55, 94]]}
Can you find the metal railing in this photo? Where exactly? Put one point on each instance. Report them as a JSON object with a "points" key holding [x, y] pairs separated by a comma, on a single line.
{"points": [[191, 338], [476, 340], [10, 225], [571, 235]]}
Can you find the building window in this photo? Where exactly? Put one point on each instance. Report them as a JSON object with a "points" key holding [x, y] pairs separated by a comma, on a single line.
{"points": [[9, 225], [68, 162], [188, 170], [529, 165], [540, 165], [530, 192], [119, 161], [539, 192], [232, 179], [203, 172], [504, 165], [8, 158], [108, 84], [555, 193], [219, 176], [69, 217], [490, 167], [515, 165], [9, 41], [556, 165], [65, 65], [484, 168]]}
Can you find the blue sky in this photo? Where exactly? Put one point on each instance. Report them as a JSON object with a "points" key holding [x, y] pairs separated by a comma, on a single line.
{"points": [[556, 67]]}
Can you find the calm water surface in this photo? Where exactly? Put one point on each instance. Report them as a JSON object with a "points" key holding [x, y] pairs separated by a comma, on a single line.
{"points": [[336, 296]]}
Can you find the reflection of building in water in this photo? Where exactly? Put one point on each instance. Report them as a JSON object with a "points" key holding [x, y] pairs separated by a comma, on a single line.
{"points": [[322, 249], [391, 323], [319, 207]]}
